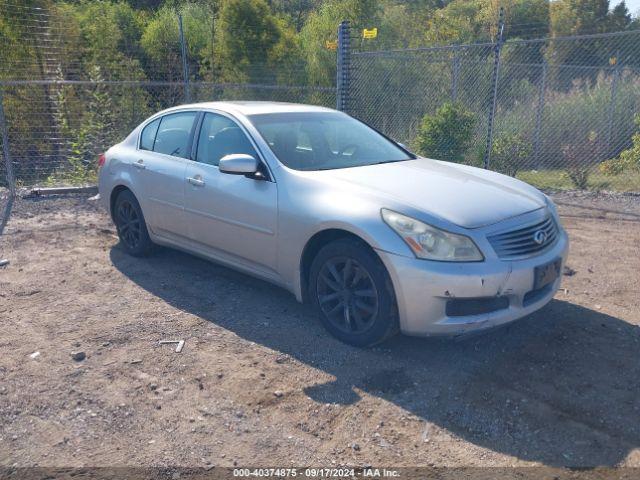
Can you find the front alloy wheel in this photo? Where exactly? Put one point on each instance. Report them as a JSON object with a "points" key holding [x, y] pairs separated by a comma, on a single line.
{"points": [[347, 295], [352, 293]]}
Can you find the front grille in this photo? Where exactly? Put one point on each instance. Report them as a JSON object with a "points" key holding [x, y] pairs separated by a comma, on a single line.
{"points": [[521, 243]]}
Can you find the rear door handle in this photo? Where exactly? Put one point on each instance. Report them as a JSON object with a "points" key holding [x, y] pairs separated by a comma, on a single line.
{"points": [[196, 181], [140, 164]]}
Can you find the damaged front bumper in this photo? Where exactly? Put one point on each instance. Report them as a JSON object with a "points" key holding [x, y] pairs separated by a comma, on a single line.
{"points": [[441, 298]]}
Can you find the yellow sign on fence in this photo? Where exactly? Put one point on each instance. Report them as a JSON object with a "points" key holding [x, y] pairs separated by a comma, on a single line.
{"points": [[370, 33], [329, 45]]}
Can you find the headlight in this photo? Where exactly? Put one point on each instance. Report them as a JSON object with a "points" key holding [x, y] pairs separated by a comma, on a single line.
{"points": [[431, 242]]}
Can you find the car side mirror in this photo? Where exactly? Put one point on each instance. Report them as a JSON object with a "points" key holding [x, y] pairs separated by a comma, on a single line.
{"points": [[238, 164]]}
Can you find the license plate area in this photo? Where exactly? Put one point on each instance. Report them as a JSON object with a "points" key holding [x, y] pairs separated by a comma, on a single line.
{"points": [[545, 274]]}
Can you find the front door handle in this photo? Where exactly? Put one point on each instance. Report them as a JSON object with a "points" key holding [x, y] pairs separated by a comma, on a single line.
{"points": [[196, 181], [140, 164]]}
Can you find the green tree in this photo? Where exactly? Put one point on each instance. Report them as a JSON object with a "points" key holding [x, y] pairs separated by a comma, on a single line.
{"points": [[446, 135], [113, 43], [161, 42], [619, 18], [461, 21], [527, 19], [574, 17], [322, 26], [577, 17], [251, 42], [296, 10]]}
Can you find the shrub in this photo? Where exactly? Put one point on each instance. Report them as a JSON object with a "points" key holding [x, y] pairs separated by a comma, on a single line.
{"points": [[617, 166], [509, 153], [579, 158], [569, 117], [579, 176], [629, 160], [446, 134]]}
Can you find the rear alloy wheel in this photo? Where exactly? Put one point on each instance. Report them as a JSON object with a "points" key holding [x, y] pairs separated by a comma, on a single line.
{"points": [[352, 293], [131, 225]]}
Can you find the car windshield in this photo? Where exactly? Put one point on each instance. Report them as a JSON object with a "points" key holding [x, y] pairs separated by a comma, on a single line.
{"points": [[325, 141]]}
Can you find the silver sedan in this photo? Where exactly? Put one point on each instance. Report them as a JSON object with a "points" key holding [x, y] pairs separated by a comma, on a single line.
{"points": [[377, 239]]}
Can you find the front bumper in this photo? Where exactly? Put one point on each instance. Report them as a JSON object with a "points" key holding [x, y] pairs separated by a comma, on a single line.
{"points": [[423, 288]]}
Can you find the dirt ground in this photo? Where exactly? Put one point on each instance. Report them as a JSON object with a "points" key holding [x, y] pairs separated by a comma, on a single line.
{"points": [[260, 383]]}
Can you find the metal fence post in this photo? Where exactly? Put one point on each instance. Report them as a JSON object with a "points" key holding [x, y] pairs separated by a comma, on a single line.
{"points": [[11, 181], [343, 69], [185, 66], [455, 75], [494, 84], [539, 112], [609, 152]]}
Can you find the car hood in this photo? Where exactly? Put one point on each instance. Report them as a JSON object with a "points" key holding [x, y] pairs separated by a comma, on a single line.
{"points": [[466, 196]]}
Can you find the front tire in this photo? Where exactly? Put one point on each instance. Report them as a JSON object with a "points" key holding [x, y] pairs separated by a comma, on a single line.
{"points": [[352, 293], [131, 226]]}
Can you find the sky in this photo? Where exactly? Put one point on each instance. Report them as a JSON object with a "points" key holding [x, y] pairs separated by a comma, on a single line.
{"points": [[632, 5]]}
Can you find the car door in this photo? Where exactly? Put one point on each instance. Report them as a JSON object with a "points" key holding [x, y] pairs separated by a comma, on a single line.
{"points": [[165, 144], [234, 216]]}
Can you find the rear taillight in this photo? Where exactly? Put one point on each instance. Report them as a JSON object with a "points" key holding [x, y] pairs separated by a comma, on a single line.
{"points": [[101, 160]]}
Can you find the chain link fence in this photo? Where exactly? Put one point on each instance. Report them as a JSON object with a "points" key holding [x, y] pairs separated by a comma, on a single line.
{"points": [[57, 129], [566, 109], [64, 104], [557, 112]]}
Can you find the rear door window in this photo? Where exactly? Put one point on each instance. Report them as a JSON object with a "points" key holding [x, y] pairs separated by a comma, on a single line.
{"points": [[174, 133]]}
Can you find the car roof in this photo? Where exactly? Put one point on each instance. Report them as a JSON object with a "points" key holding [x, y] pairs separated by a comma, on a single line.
{"points": [[254, 107]]}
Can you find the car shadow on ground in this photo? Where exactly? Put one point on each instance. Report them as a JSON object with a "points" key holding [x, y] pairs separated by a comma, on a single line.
{"points": [[558, 387]]}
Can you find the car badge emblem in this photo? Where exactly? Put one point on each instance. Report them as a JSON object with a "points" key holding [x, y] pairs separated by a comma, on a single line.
{"points": [[540, 237]]}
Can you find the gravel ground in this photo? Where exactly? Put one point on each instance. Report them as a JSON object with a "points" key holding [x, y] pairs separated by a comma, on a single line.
{"points": [[259, 382]]}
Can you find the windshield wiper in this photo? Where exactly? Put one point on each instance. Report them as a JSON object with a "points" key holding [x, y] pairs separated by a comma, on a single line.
{"points": [[392, 161]]}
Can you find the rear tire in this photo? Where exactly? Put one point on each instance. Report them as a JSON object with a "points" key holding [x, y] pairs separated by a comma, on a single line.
{"points": [[352, 293], [131, 225]]}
